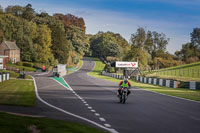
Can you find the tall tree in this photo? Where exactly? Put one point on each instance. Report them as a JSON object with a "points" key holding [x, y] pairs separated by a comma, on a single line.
{"points": [[195, 37]]}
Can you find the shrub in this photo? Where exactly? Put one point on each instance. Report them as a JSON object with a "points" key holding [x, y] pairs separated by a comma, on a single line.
{"points": [[28, 64], [19, 63]]}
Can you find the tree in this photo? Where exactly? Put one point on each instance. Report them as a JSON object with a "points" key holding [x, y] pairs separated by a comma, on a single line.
{"points": [[195, 37], [1, 9], [152, 44], [15, 10], [78, 39], [43, 44], [60, 45], [28, 12], [104, 45], [190, 52]]}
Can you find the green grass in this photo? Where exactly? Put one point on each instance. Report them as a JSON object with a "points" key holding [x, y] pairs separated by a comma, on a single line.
{"points": [[79, 66], [179, 92], [20, 124], [17, 92], [182, 72], [28, 69]]}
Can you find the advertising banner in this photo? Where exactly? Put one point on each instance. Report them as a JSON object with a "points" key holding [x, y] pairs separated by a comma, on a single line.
{"points": [[126, 64]]}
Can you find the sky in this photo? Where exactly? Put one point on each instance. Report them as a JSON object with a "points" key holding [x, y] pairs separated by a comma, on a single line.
{"points": [[175, 18]]}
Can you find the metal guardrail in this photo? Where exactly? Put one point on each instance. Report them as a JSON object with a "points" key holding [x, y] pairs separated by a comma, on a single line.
{"points": [[169, 83]]}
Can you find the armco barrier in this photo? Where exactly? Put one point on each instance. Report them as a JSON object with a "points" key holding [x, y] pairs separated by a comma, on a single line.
{"points": [[156, 81]]}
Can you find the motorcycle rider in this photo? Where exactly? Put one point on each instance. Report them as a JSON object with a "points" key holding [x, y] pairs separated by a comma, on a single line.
{"points": [[124, 84]]}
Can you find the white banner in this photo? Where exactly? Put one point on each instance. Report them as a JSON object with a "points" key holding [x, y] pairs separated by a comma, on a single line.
{"points": [[126, 64], [1, 60]]}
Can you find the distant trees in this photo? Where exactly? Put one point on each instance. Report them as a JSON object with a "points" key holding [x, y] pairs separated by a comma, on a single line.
{"points": [[44, 38], [108, 45], [190, 52], [149, 48]]}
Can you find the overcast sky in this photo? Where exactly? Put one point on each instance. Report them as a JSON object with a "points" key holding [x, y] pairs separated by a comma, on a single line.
{"points": [[175, 18]]}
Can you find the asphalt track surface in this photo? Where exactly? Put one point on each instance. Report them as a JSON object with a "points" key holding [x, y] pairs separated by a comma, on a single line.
{"points": [[144, 112]]}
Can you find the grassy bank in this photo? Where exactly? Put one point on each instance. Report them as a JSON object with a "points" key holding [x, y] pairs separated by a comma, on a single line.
{"points": [[28, 69], [22, 124], [182, 72], [179, 92], [17, 92]]}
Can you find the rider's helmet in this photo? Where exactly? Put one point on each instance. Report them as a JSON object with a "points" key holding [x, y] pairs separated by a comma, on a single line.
{"points": [[125, 80]]}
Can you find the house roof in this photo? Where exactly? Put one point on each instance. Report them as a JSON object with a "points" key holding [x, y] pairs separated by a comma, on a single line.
{"points": [[11, 45]]}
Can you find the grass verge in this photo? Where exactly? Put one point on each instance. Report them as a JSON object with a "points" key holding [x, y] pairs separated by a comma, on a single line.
{"points": [[28, 69], [17, 92], [70, 70], [179, 92], [21, 124]]}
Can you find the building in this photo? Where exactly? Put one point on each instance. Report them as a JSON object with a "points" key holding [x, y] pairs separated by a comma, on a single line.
{"points": [[11, 50]]}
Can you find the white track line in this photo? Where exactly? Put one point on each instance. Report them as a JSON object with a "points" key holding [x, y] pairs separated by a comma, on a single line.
{"points": [[107, 125], [69, 113], [97, 114], [102, 119]]}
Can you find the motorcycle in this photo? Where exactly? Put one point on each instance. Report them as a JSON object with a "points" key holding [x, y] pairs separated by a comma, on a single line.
{"points": [[123, 97]]}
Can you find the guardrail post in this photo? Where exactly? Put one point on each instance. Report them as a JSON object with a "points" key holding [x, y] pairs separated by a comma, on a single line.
{"points": [[168, 83], [149, 81], [8, 76], [154, 81], [137, 78], [192, 85], [1, 77], [145, 80], [174, 84], [4, 76], [141, 79], [161, 82]]}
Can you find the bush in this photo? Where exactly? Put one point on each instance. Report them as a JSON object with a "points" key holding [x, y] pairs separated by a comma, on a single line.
{"points": [[19, 63], [28, 64]]}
